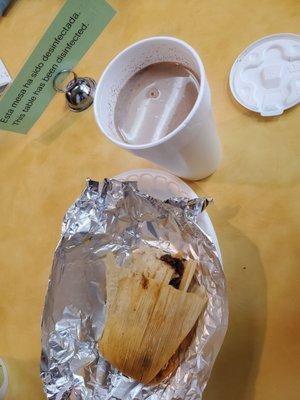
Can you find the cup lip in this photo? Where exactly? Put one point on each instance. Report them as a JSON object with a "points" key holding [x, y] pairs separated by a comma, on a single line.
{"points": [[183, 123]]}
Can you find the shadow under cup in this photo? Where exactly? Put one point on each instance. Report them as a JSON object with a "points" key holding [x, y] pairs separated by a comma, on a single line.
{"points": [[192, 150]]}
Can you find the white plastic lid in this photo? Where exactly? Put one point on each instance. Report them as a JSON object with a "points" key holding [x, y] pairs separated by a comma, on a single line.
{"points": [[266, 76]]}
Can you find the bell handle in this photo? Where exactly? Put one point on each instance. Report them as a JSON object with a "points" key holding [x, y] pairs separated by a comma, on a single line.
{"points": [[56, 87]]}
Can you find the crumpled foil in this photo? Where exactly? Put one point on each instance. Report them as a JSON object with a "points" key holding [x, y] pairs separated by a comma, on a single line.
{"points": [[115, 216]]}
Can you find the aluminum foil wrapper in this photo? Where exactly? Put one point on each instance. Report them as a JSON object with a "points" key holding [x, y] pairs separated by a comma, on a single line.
{"points": [[114, 216]]}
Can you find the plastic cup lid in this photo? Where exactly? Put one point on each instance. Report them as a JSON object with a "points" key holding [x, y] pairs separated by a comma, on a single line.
{"points": [[266, 76]]}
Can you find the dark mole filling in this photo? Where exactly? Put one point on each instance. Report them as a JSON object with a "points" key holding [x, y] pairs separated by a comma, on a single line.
{"points": [[144, 282], [177, 265]]}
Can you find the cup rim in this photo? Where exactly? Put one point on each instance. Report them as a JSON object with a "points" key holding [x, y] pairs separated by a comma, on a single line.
{"points": [[181, 126]]}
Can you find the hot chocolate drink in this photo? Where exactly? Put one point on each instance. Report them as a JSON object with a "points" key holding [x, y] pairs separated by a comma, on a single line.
{"points": [[154, 101]]}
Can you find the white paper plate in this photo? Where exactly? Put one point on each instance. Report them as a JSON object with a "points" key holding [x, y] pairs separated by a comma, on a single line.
{"points": [[162, 185]]}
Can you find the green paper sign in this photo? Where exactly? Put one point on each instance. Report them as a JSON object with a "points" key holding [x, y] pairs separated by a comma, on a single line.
{"points": [[68, 38]]}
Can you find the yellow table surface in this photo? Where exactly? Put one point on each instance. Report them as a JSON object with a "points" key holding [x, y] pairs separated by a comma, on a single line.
{"points": [[256, 212]]}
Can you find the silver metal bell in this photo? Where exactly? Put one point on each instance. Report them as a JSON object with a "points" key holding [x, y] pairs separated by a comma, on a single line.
{"points": [[79, 91]]}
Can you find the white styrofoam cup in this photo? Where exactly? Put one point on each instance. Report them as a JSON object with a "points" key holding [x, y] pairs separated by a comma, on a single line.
{"points": [[192, 150]]}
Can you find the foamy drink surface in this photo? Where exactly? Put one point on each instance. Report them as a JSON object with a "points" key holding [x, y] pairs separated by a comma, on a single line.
{"points": [[154, 101]]}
